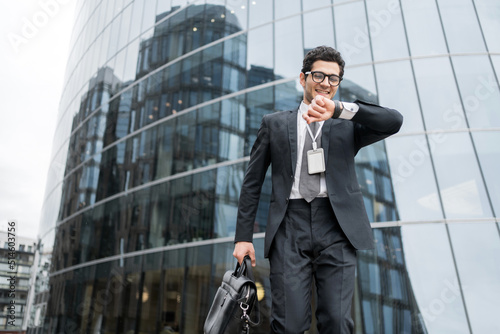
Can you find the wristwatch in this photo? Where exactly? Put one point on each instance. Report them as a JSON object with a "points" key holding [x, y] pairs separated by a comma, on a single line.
{"points": [[338, 109]]}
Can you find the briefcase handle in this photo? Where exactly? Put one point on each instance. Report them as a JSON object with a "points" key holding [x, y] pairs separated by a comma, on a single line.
{"points": [[245, 269]]}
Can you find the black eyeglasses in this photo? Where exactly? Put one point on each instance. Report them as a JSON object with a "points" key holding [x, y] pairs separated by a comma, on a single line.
{"points": [[318, 77]]}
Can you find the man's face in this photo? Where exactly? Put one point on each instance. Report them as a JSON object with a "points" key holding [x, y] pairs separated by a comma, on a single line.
{"points": [[311, 88]]}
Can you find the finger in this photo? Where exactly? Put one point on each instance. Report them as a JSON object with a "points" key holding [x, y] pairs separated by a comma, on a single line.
{"points": [[319, 100], [252, 257], [308, 119], [315, 112]]}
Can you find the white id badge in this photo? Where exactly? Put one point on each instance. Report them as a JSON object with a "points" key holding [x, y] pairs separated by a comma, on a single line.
{"points": [[315, 161]]}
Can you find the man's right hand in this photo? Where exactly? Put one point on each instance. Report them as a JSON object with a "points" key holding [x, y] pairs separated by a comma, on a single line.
{"points": [[243, 248]]}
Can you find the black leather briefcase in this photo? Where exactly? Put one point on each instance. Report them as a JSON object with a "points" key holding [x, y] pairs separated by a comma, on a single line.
{"points": [[234, 302]]}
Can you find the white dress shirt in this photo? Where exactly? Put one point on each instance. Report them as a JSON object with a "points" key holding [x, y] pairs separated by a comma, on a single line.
{"points": [[348, 112]]}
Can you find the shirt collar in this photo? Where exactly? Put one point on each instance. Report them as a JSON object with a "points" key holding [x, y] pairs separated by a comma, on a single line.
{"points": [[303, 107]]}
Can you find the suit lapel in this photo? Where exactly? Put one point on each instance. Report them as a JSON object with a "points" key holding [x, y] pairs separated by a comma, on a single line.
{"points": [[292, 137]]}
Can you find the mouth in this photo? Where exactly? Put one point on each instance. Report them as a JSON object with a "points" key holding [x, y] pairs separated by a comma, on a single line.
{"points": [[322, 92]]}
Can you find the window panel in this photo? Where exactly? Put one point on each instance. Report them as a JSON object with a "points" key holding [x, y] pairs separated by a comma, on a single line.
{"points": [[459, 179], [110, 12], [234, 63], [463, 37], [358, 83], [288, 48], [423, 27], [101, 53], [284, 8], [369, 316], [179, 3], [195, 293], [230, 145], [496, 64], [384, 283], [396, 89], [258, 103], [477, 253], [444, 110], [309, 5], [287, 96], [388, 319], [315, 35], [163, 7], [119, 68], [136, 21], [386, 29], [479, 89], [229, 180], [261, 11], [130, 295], [372, 170], [351, 32], [233, 114], [488, 152], [429, 263], [214, 22], [150, 297], [413, 179], [194, 27], [260, 61], [131, 62], [175, 267], [149, 15], [238, 11], [184, 153], [125, 26], [489, 12]]}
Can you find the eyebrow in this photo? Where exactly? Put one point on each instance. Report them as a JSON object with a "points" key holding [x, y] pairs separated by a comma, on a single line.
{"points": [[325, 73]]}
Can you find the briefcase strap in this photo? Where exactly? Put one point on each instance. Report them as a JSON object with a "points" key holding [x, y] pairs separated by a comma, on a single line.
{"points": [[246, 269]]}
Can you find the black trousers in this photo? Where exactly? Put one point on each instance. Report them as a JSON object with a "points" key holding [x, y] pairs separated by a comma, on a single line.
{"points": [[311, 245]]}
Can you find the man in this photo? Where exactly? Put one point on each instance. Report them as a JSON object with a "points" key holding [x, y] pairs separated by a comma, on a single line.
{"points": [[317, 219]]}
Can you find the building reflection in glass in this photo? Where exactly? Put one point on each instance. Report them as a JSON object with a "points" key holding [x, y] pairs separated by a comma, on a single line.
{"points": [[158, 162]]}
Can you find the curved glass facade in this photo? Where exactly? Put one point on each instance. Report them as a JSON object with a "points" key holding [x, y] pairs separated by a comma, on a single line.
{"points": [[161, 106]]}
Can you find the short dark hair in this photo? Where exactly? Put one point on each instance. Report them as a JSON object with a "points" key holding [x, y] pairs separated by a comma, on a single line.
{"points": [[325, 53]]}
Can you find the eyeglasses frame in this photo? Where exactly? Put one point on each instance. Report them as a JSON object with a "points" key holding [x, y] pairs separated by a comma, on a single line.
{"points": [[324, 76]]}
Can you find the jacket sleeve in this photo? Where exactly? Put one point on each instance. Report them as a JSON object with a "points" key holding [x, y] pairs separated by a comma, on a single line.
{"points": [[260, 159], [374, 123]]}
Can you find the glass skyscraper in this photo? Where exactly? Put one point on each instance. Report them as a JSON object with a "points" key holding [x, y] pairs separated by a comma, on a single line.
{"points": [[161, 106]]}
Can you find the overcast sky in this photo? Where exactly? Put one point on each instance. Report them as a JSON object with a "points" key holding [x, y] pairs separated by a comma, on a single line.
{"points": [[34, 44]]}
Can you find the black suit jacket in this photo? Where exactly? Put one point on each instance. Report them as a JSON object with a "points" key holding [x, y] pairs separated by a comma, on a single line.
{"points": [[276, 144]]}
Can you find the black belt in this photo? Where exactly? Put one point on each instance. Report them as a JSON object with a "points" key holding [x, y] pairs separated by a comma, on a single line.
{"points": [[300, 202]]}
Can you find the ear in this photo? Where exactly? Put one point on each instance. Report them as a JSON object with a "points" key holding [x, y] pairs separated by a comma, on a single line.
{"points": [[302, 79]]}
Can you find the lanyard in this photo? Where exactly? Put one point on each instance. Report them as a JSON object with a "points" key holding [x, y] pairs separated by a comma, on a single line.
{"points": [[318, 131]]}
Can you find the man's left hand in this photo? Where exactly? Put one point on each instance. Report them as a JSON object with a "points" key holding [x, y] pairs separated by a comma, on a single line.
{"points": [[320, 109]]}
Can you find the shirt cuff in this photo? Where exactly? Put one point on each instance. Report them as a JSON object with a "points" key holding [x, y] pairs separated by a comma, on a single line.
{"points": [[350, 109]]}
